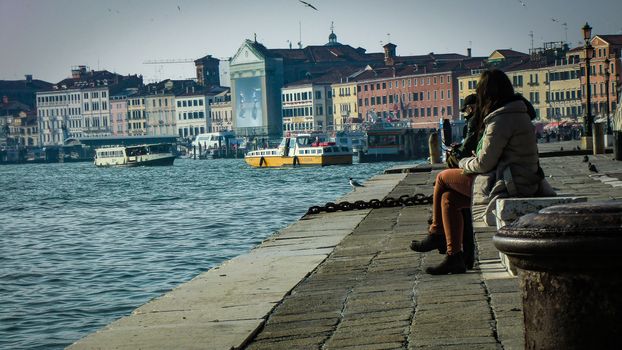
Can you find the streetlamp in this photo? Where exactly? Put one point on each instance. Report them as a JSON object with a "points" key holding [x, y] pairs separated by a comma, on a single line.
{"points": [[589, 50], [607, 75]]}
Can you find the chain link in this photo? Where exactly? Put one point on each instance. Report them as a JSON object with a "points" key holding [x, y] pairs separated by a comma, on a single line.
{"points": [[389, 202]]}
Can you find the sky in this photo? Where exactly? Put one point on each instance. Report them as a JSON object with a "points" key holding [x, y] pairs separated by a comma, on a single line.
{"points": [[46, 38]]}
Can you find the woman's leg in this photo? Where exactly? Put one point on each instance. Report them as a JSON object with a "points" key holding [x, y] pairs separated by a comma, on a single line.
{"points": [[447, 180], [452, 204], [450, 180]]}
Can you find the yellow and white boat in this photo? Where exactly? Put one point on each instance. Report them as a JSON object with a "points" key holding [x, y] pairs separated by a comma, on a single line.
{"points": [[300, 150]]}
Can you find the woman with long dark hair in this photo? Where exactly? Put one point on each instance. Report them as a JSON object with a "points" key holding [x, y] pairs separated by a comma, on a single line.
{"points": [[507, 148]]}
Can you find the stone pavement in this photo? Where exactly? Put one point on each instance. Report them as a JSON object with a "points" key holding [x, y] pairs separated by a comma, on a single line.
{"points": [[372, 293], [347, 280]]}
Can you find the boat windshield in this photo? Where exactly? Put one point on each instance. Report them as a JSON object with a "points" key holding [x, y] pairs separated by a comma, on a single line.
{"points": [[136, 151], [383, 140], [161, 148]]}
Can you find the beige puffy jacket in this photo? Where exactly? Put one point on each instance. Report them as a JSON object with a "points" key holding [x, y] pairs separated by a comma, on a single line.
{"points": [[509, 151]]}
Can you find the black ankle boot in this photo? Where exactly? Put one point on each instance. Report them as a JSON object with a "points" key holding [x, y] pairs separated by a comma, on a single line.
{"points": [[451, 264], [431, 242]]}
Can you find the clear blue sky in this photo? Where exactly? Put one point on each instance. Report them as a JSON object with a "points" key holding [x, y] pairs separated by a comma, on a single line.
{"points": [[46, 37]]}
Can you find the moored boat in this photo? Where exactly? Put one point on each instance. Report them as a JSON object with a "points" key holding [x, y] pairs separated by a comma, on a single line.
{"points": [[141, 155], [391, 142], [300, 150]]}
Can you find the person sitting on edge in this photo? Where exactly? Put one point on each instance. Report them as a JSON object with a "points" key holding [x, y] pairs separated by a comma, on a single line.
{"points": [[507, 148], [470, 134]]}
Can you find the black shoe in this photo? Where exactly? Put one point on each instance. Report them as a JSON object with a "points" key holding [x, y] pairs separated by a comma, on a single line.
{"points": [[452, 264], [431, 242], [469, 262]]}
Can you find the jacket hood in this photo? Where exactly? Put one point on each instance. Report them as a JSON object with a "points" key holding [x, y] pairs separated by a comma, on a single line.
{"points": [[516, 104]]}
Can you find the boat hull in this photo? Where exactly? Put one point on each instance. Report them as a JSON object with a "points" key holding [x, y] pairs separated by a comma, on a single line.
{"points": [[275, 161], [140, 161]]}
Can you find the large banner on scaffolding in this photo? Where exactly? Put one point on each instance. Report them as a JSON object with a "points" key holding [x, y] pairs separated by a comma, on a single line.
{"points": [[249, 104]]}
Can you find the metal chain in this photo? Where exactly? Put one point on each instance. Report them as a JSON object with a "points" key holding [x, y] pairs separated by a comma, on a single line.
{"points": [[389, 202]]}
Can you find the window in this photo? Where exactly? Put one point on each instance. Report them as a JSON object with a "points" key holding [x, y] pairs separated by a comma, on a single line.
{"points": [[179, 105]]}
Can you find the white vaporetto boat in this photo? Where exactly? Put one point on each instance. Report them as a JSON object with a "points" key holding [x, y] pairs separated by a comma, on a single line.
{"points": [[141, 155]]}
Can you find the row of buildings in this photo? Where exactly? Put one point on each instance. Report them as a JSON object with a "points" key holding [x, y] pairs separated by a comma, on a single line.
{"points": [[331, 87]]}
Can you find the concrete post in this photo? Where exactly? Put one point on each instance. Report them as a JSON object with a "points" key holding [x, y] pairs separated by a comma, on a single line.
{"points": [[435, 149], [569, 260], [617, 144], [598, 138]]}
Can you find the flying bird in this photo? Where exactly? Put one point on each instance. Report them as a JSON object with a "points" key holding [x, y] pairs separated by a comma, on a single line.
{"points": [[309, 5], [178, 8], [355, 184]]}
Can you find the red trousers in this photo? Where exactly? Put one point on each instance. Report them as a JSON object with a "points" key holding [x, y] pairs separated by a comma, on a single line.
{"points": [[452, 193]]}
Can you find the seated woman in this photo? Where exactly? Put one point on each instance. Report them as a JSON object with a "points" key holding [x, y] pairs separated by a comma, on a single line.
{"points": [[507, 147]]}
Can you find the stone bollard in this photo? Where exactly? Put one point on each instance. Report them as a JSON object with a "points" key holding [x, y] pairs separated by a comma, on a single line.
{"points": [[617, 144], [598, 132], [435, 148], [569, 258]]}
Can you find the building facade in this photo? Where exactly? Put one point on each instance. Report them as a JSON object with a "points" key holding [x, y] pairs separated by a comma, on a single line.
{"points": [[605, 47], [136, 116], [563, 90], [419, 97], [119, 115], [307, 108], [256, 81], [208, 72], [59, 114], [160, 114], [345, 106], [192, 114], [221, 113]]}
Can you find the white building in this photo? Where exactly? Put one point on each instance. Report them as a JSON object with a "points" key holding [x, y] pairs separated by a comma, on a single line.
{"points": [[192, 114], [59, 114], [307, 107], [221, 113], [160, 114], [96, 112]]}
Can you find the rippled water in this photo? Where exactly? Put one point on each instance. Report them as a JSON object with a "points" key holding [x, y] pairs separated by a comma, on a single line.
{"points": [[81, 246]]}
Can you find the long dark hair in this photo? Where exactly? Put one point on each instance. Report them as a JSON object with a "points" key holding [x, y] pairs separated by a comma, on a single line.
{"points": [[493, 89]]}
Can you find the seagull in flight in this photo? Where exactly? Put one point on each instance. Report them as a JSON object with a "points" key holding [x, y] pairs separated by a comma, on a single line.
{"points": [[309, 5], [355, 184]]}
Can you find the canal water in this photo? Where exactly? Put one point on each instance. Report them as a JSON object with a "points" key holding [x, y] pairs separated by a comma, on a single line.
{"points": [[82, 246]]}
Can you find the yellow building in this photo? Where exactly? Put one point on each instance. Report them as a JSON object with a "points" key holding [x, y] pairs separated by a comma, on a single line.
{"points": [[345, 110], [467, 84], [137, 120], [563, 95], [529, 80]]}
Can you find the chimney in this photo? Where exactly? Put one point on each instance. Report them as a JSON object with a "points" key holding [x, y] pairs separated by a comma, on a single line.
{"points": [[389, 54], [28, 78], [468, 52]]}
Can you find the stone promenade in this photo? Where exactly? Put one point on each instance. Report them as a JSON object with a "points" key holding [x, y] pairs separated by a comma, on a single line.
{"points": [[347, 280]]}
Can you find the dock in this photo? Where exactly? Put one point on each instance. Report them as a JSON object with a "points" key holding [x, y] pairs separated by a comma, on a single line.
{"points": [[348, 280]]}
